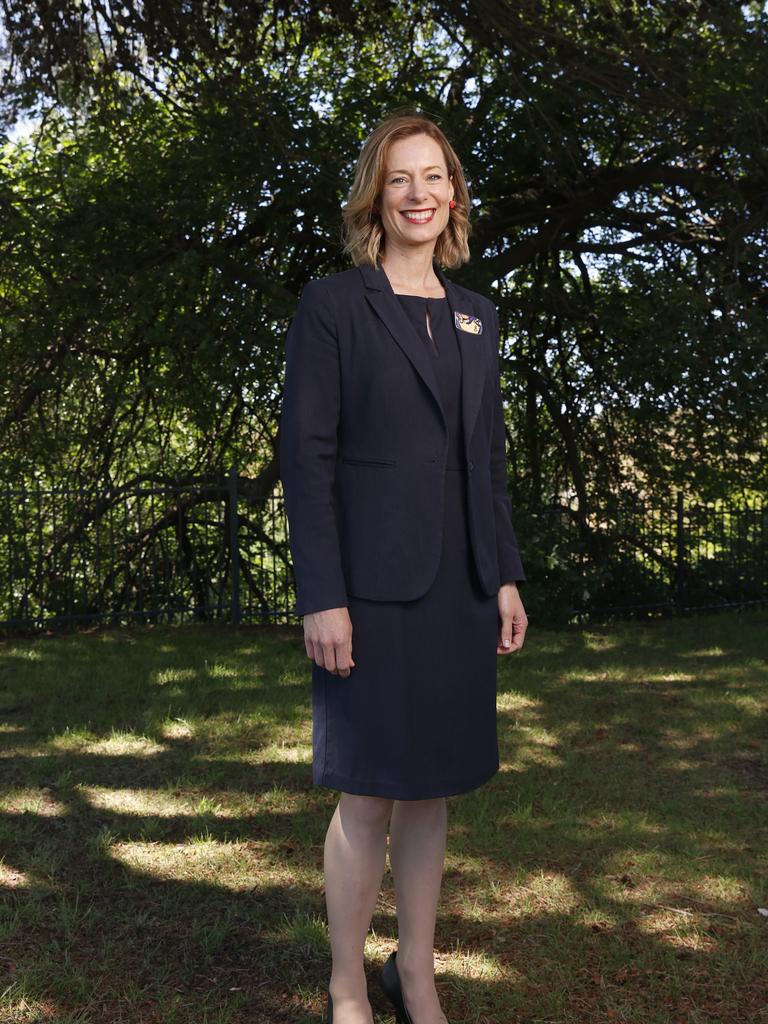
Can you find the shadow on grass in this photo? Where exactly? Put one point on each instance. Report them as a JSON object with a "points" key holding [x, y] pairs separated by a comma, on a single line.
{"points": [[161, 841]]}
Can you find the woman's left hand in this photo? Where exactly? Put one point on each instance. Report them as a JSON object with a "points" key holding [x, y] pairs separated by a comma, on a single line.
{"points": [[513, 621]]}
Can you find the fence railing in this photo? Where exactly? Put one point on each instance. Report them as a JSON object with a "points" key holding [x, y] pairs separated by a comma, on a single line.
{"points": [[213, 551]]}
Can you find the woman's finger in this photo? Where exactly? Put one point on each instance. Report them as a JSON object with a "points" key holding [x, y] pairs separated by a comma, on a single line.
{"points": [[505, 632], [519, 627]]}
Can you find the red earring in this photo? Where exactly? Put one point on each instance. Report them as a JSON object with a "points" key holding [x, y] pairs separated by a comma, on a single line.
{"points": [[452, 203]]}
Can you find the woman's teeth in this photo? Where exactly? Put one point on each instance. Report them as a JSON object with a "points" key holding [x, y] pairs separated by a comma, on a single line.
{"points": [[419, 216]]}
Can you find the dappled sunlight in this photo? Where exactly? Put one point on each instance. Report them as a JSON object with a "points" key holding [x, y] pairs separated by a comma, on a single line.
{"points": [[527, 758], [463, 864], [125, 743], [703, 652], [543, 892], [23, 1008], [623, 824], [293, 678], [695, 917], [116, 744], [533, 745], [28, 749], [631, 746], [599, 642], [725, 889], [166, 676], [177, 730], [671, 677], [40, 802], [282, 753], [220, 671], [224, 864], [678, 929], [474, 965], [30, 653], [147, 802], [642, 883], [716, 792], [14, 878], [685, 764], [613, 674], [604, 821], [280, 800], [236, 865], [747, 703], [703, 736], [677, 739], [550, 643], [511, 700]]}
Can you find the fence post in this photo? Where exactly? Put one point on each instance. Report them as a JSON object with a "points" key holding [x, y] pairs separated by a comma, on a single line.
{"points": [[234, 551], [679, 556]]}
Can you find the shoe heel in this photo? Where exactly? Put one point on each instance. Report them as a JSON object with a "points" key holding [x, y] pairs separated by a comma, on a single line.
{"points": [[389, 978]]}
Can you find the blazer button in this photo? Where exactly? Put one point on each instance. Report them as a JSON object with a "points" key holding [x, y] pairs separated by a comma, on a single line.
{"points": [[470, 465]]}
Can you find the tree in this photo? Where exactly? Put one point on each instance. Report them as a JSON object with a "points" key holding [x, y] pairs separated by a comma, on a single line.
{"points": [[186, 176]]}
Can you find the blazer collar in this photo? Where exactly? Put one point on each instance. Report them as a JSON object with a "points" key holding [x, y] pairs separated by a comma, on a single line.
{"points": [[379, 293]]}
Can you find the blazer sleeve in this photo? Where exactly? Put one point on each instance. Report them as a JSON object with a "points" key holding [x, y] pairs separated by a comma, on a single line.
{"points": [[309, 421], [510, 564]]}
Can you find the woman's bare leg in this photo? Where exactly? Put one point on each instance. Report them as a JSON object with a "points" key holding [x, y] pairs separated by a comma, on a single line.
{"points": [[354, 860], [417, 853]]}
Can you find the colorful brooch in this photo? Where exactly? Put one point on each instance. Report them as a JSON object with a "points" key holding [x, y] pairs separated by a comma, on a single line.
{"points": [[467, 322]]}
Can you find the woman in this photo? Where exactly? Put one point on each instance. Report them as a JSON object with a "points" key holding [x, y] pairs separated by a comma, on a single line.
{"points": [[392, 453]]}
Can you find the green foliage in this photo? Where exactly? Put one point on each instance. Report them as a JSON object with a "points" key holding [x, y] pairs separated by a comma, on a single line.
{"points": [[184, 178]]}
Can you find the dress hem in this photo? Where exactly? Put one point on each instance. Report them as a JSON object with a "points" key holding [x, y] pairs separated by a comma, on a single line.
{"points": [[393, 791]]}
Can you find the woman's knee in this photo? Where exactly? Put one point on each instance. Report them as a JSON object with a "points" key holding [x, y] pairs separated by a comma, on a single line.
{"points": [[432, 805], [370, 811], [432, 813]]}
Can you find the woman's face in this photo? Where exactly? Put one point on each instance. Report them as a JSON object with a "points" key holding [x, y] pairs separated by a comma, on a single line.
{"points": [[416, 192]]}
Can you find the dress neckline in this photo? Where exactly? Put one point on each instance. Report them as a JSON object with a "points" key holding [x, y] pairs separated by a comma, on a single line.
{"points": [[430, 298]]}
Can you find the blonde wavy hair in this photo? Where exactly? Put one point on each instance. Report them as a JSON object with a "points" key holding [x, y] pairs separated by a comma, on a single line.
{"points": [[362, 231]]}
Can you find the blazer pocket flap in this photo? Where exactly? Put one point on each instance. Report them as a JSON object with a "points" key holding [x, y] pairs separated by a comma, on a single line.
{"points": [[354, 461]]}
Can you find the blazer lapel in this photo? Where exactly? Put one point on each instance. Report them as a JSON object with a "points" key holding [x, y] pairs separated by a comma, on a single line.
{"points": [[473, 362], [471, 346], [381, 297]]}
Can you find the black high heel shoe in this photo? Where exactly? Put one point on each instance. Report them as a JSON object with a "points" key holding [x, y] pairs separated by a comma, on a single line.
{"points": [[390, 983], [329, 1017]]}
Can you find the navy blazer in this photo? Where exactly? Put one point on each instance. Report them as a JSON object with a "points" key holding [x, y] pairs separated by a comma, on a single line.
{"points": [[363, 443]]}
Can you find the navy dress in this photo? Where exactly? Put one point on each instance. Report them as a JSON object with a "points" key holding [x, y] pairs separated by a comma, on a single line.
{"points": [[416, 717]]}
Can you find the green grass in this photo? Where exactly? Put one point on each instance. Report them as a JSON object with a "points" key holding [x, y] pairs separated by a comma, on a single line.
{"points": [[161, 841]]}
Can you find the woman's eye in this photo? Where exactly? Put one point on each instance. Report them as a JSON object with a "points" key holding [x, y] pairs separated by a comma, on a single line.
{"points": [[400, 178]]}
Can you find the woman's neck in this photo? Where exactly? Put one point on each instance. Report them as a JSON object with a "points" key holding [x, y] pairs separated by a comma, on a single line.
{"points": [[411, 271]]}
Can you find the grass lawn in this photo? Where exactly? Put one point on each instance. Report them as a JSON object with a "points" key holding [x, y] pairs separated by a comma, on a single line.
{"points": [[161, 841]]}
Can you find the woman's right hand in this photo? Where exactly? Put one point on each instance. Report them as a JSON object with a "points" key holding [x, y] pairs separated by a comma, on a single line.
{"points": [[328, 640]]}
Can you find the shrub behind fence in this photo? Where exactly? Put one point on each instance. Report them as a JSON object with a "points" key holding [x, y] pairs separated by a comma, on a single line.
{"points": [[210, 551]]}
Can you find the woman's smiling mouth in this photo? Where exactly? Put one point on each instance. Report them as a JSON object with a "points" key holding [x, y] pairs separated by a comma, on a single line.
{"points": [[419, 216]]}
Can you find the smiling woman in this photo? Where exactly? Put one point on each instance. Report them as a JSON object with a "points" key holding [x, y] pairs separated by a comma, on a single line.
{"points": [[393, 159], [425, 181], [392, 457]]}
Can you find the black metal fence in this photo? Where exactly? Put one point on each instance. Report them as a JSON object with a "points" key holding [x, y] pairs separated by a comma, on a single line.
{"points": [[213, 551]]}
